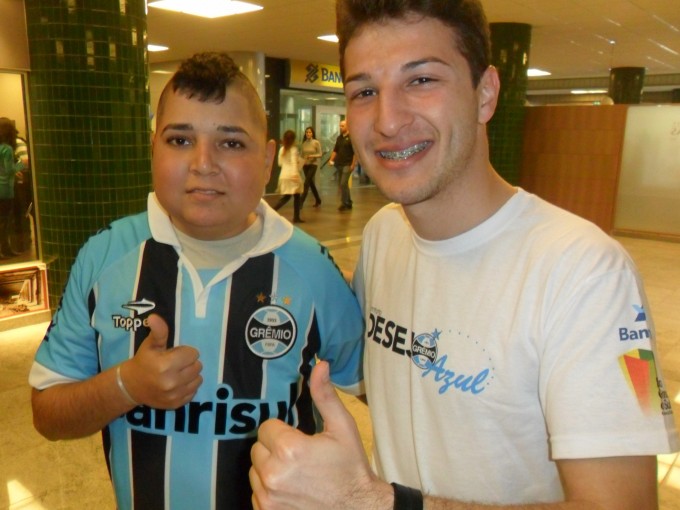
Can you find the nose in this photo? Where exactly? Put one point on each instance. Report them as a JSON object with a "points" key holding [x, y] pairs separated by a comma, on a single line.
{"points": [[392, 112], [203, 159]]}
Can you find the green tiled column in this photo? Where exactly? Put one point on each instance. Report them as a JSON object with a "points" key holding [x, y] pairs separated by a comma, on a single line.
{"points": [[89, 102], [510, 43], [625, 84], [675, 98]]}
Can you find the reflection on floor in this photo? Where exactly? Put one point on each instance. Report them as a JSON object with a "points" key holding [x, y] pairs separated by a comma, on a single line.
{"points": [[36, 474]]}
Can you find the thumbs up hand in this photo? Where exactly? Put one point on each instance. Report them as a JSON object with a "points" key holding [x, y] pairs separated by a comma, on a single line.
{"points": [[329, 470], [160, 377]]}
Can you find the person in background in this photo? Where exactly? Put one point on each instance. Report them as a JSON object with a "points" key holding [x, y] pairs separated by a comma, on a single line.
{"points": [[10, 169], [344, 160], [290, 181], [182, 328], [510, 354], [310, 150], [23, 198]]}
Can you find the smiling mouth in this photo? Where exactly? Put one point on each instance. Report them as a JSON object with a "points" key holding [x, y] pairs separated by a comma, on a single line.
{"points": [[406, 153]]}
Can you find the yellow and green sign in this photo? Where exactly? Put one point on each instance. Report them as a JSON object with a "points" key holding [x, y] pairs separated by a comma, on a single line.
{"points": [[312, 75]]}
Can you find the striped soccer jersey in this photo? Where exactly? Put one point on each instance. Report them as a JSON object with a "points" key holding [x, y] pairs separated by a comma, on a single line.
{"points": [[258, 324]]}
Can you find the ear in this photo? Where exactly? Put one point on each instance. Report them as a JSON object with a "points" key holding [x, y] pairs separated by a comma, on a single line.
{"points": [[270, 153], [152, 139], [487, 91]]}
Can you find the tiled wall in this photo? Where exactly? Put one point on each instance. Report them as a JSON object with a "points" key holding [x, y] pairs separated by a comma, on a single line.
{"points": [[625, 84], [90, 120], [510, 44]]}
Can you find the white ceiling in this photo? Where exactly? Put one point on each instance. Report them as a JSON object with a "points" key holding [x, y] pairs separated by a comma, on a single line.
{"points": [[570, 38]]}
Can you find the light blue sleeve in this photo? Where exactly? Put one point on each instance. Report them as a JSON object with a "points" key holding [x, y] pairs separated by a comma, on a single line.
{"points": [[70, 344]]}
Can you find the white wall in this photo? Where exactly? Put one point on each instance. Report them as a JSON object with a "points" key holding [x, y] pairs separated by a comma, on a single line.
{"points": [[14, 60], [12, 100], [649, 185], [13, 37]]}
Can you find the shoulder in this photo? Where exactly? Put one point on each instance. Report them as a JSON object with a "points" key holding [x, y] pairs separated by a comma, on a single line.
{"points": [[553, 222], [301, 243], [560, 235], [108, 247], [308, 255], [118, 238]]}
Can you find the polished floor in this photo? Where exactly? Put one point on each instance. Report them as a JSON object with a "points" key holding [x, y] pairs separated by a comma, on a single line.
{"points": [[39, 475]]}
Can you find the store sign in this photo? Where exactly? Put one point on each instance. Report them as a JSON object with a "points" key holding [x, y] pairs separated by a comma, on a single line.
{"points": [[312, 75]]}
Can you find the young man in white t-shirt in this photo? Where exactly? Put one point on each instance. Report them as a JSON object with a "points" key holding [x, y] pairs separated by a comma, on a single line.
{"points": [[510, 360]]}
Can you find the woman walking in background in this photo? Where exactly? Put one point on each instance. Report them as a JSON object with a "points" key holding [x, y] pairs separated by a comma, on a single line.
{"points": [[290, 182], [311, 154], [9, 168]]}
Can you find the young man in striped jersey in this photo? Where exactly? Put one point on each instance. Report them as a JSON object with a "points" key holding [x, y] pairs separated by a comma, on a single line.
{"points": [[183, 328]]}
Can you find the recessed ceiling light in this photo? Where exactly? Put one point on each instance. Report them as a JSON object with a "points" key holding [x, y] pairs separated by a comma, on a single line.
{"points": [[156, 47], [589, 91], [537, 72], [206, 8], [329, 38]]}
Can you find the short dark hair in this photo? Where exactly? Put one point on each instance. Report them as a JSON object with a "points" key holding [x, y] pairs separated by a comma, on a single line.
{"points": [[465, 17], [207, 76], [8, 132]]}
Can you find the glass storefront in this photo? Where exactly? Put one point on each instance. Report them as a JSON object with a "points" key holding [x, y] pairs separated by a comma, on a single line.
{"points": [[322, 110], [23, 288]]}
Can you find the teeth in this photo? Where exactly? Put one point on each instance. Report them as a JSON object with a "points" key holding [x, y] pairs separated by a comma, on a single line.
{"points": [[406, 153]]}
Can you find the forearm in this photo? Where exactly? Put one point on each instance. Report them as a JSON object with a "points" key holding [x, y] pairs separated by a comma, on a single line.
{"points": [[380, 495], [432, 503], [79, 409]]}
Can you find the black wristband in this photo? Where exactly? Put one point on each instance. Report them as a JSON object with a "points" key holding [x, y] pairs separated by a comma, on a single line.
{"points": [[406, 498]]}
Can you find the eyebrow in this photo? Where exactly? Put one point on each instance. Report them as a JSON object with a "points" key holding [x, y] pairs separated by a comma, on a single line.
{"points": [[408, 66], [188, 127]]}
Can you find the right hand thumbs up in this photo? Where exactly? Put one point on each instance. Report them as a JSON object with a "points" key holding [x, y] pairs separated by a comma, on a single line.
{"points": [[160, 377], [158, 337]]}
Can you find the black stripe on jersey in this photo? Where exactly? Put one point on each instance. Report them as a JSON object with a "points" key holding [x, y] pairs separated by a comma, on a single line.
{"points": [[106, 444], [156, 282], [303, 404], [91, 304], [251, 288], [148, 471], [232, 489]]}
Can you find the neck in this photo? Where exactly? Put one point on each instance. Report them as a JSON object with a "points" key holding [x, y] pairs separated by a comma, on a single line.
{"points": [[460, 208]]}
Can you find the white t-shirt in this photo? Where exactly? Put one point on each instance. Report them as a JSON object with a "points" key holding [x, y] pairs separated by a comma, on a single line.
{"points": [[290, 181], [489, 354]]}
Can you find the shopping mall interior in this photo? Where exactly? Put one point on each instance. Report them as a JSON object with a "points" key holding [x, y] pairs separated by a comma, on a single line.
{"points": [[598, 136]]}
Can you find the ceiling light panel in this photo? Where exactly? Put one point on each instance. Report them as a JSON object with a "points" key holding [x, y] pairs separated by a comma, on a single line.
{"points": [[206, 8]]}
